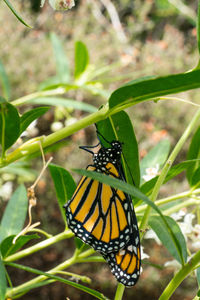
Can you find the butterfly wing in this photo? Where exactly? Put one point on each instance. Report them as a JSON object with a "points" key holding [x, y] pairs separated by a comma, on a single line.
{"points": [[125, 263], [99, 214]]}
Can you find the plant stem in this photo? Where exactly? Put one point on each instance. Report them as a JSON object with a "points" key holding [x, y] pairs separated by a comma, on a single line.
{"points": [[166, 200], [180, 276], [25, 286], [194, 122], [23, 100], [33, 145], [119, 292], [181, 205], [46, 243]]}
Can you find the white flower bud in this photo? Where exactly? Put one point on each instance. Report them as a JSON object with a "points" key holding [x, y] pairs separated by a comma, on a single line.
{"points": [[55, 126]]}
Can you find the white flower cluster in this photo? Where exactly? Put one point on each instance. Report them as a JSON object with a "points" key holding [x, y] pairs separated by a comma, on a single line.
{"points": [[60, 4], [151, 173]]}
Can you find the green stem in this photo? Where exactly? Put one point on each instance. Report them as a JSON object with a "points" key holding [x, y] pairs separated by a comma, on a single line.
{"points": [[25, 286], [166, 200], [41, 231], [46, 243], [119, 292], [180, 276], [23, 100], [33, 145], [168, 164], [181, 205]]}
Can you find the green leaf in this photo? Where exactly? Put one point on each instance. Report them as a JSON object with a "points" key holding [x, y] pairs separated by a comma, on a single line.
{"points": [[3, 283], [2, 100], [64, 185], [157, 155], [196, 178], [193, 153], [5, 82], [148, 89], [15, 213], [177, 247], [57, 278], [147, 187], [68, 103], [119, 127], [9, 125], [15, 13], [7, 247], [81, 59], [198, 276], [28, 117], [62, 63]]}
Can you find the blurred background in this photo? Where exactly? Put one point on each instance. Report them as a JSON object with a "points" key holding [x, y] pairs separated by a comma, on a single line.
{"points": [[126, 40]]}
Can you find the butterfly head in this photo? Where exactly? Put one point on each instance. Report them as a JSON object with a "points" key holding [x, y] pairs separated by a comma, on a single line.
{"points": [[106, 155]]}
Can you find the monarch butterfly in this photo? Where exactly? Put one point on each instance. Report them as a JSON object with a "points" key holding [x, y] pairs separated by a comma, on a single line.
{"points": [[104, 217]]}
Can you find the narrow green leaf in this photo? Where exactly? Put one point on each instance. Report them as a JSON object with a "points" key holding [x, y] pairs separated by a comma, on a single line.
{"points": [[28, 117], [64, 185], [119, 184], [147, 187], [152, 88], [7, 247], [196, 178], [193, 153], [9, 125], [15, 213], [62, 63], [15, 13], [69, 103], [156, 156], [5, 82], [198, 276], [3, 283], [119, 127], [58, 278], [177, 248], [81, 59]]}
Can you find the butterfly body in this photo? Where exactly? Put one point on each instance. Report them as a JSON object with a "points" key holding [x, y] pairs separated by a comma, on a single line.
{"points": [[104, 218]]}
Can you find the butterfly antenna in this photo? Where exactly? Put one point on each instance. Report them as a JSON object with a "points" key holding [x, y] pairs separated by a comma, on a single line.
{"points": [[86, 148]]}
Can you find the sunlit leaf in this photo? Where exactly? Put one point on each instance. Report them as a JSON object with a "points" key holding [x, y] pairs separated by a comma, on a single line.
{"points": [[150, 89], [15, 213]]}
